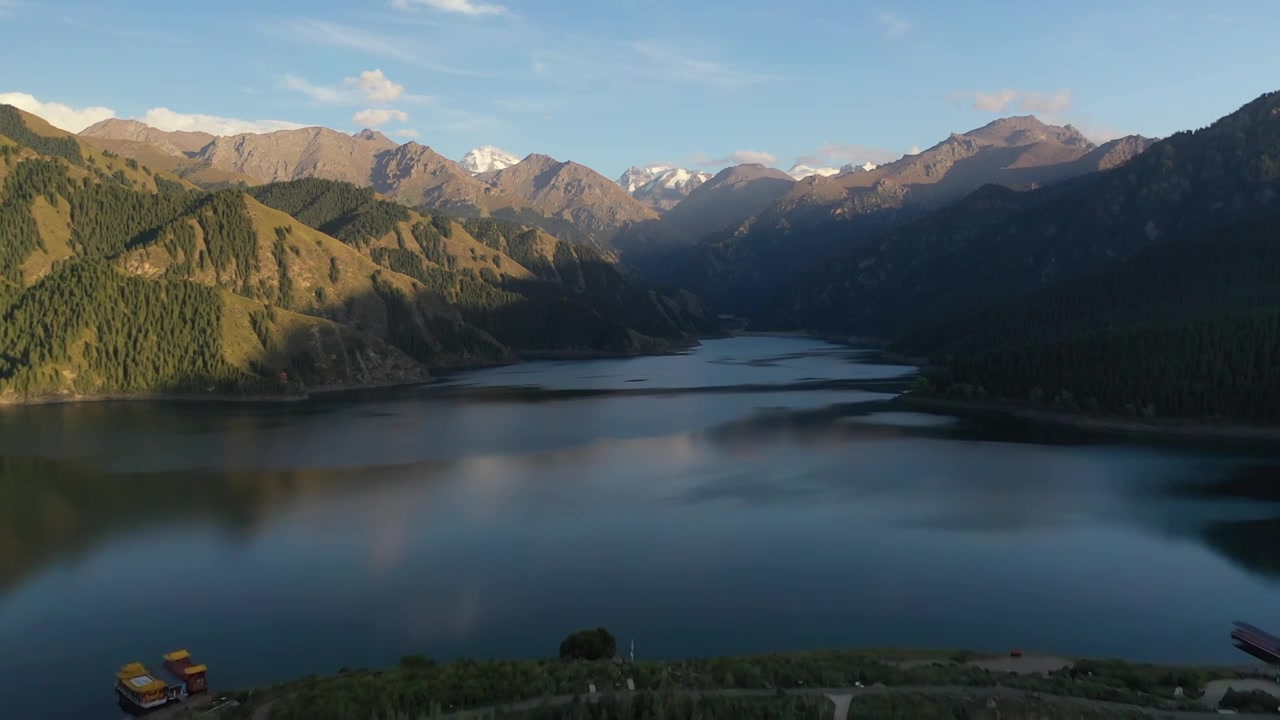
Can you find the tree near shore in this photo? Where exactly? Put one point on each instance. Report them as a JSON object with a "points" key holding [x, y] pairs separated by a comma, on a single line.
{"points": [[597, 644]]}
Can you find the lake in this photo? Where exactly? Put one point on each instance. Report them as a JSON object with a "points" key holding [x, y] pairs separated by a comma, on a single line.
{"points": [[753, 495]]}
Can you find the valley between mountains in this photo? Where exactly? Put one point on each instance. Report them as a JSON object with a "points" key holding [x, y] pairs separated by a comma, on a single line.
{"points": [[1021, 261]]}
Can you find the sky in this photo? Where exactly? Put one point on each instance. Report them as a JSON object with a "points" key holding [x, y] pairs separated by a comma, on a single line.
{"points": [[615, 83]]}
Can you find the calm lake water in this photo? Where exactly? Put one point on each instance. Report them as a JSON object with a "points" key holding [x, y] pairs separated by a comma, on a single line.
{"points": [[754, 495]]}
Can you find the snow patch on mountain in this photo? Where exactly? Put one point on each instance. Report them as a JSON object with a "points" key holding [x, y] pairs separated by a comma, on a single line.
{"points": [[661, 186], [855, 167], [800, 172], [488, 158]]}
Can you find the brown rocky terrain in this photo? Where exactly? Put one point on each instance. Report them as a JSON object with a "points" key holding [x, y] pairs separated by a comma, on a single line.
{"points": [[739, 267], [175, 143], [572, 192], [295, 154]]}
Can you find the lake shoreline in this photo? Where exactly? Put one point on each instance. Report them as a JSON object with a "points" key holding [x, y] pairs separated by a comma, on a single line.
{"points": [[437, 373], [1167, 430]]}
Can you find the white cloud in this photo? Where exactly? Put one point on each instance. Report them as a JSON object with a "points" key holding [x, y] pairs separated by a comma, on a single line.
{"points": [[376, 86], [369, 86], [892, 25], [913, 150], [56, 114], [737, 157], [1001, 101], [165, 119], [374, 117], [462, 7], [406, 133]]}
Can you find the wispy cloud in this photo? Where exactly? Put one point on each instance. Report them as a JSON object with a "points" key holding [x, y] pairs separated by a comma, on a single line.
{"points": [[892, 25], [1009, 100], [375, 117], [71, 119], [737, 157], [407, 133], [370, 86], [461, 7], [671, 64], [339, 35]]}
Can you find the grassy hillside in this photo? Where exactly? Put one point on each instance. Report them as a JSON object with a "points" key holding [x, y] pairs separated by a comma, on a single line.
{"points": [[322, 281], [530, 290]]}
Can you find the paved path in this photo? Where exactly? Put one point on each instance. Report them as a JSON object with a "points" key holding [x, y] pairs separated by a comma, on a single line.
{"points": [[842, 702]]}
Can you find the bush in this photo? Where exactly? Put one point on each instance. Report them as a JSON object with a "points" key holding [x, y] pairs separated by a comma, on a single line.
{"points": [[1249, 701], [596, 644]]}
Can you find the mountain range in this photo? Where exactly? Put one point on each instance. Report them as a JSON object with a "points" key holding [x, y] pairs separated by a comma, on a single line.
{"points": [[1028, 262], [536, 189], [742, 266], [1150, 288], [116, 278], [661, 186]]}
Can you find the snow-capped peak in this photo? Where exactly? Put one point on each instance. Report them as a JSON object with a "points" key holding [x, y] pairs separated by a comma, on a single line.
{"points": [[800, 172], [637, 177], [487, 158], [855, 167], [661, 186]]}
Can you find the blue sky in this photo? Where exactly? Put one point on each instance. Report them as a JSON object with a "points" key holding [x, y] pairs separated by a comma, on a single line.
{"points": [[612, 83]]}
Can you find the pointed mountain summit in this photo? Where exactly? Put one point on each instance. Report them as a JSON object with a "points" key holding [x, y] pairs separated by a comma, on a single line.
{"points": [[376, 138]]}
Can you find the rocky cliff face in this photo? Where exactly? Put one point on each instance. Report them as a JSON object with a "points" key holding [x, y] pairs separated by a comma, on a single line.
{"points": [[295, 154], [419, 175]]}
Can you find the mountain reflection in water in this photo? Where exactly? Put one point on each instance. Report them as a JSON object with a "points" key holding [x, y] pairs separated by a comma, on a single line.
{"points": [[760, 483]]}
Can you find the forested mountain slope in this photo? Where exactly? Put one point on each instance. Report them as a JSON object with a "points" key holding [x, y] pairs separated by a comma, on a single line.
{"points": [[1189, 328], [998, 245], [118, 279]]}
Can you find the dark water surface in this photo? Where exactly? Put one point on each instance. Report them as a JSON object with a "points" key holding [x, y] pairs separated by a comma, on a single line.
{"points": [[751, 496]]}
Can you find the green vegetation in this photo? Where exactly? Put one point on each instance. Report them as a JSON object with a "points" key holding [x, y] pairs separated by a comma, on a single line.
{"points": [[1251, 701], [1190, 328], [114, 334], [998, 247], [910, 706], [420, 687], [14, 127], [597, 644], [98, 232], [673, 706], [106, 219], [351, 214]]}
